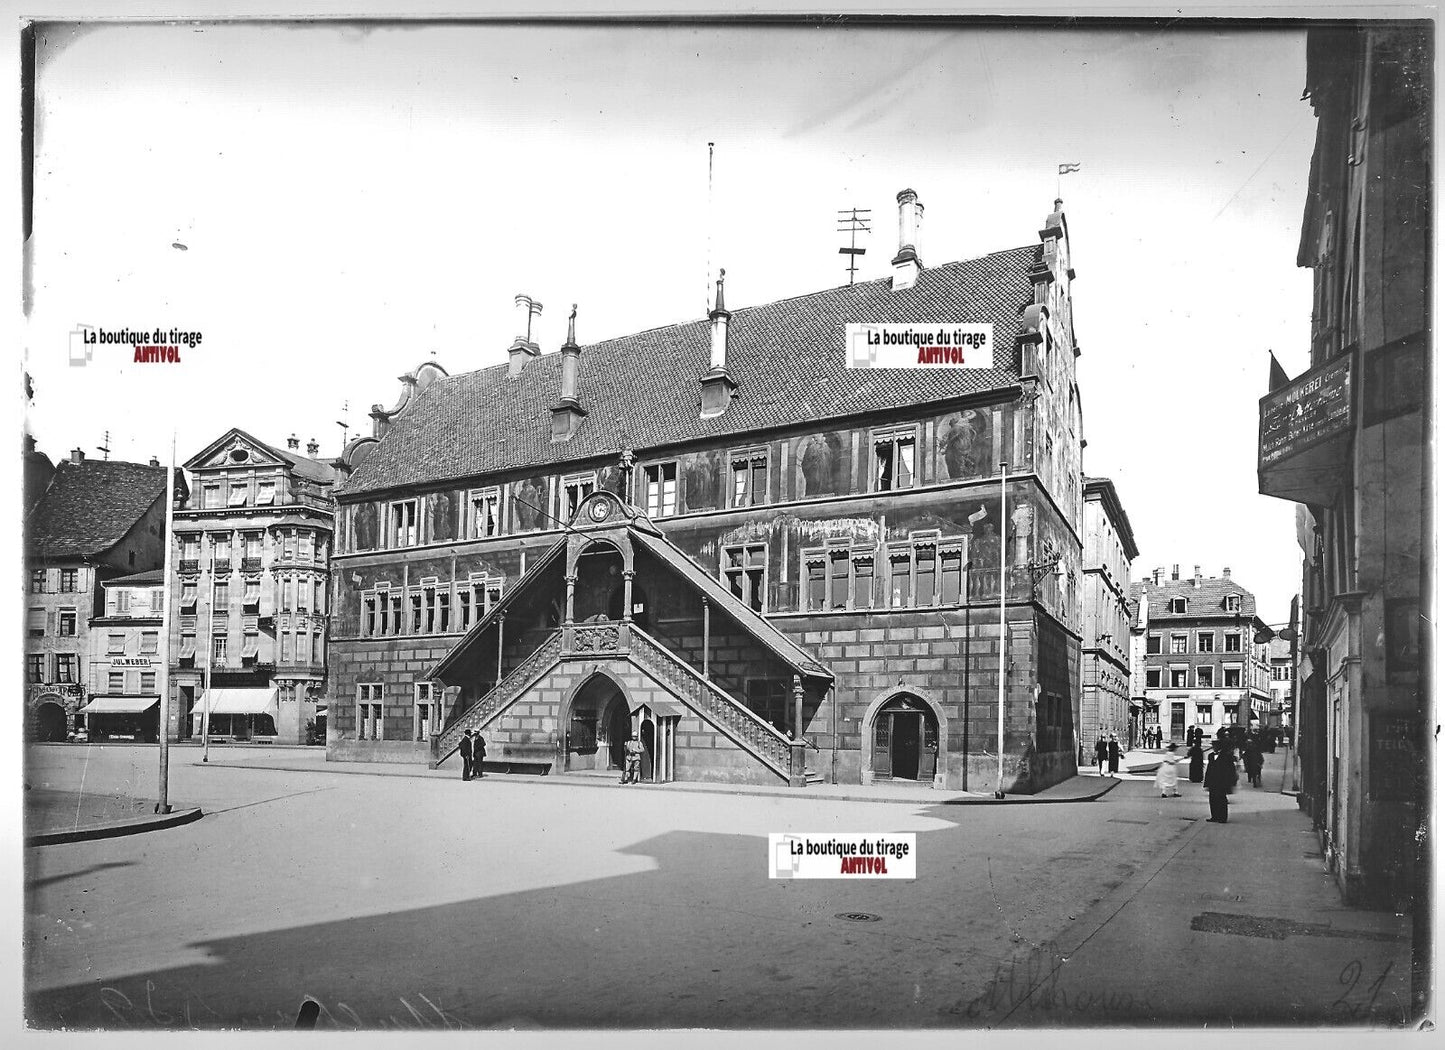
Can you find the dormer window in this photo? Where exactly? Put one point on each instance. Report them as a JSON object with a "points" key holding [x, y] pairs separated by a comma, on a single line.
{"points": [[1179, 606], [1231, 603]]}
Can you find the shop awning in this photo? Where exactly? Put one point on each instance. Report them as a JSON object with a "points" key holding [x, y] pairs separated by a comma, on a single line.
{"points": [[237, 702], [119, 705]]}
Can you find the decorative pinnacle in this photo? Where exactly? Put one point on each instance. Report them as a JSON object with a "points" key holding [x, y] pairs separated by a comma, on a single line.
{"points": [[572, 326], [720, 275]]}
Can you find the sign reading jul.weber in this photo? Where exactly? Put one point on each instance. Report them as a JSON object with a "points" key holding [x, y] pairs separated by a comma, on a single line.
{"points": [[865, 855], [919, 345]]}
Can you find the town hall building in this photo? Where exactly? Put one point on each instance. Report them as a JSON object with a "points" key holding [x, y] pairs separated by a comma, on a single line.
{"points": [[720, 539]]}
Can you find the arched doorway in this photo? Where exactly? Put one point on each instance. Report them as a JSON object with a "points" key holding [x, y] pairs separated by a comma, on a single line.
{"points": [[50, 723], [598, 724], [905, 740]]}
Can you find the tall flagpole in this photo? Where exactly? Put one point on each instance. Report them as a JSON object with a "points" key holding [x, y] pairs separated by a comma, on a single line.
{"points": [[1002, 613], [164, 715], [206, 688]]}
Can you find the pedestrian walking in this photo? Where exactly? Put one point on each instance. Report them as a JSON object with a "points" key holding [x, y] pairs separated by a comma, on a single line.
{"points": [[1253, 761], [1101, 754], [1113, 753], [465, 747], [479, 752], [1166, 778], [1220, 777], [632, 757], [1196, 761]]}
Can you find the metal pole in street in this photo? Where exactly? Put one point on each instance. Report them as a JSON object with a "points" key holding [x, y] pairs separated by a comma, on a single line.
{"points": [[163, 716], [1002, 611], [206, 686]]}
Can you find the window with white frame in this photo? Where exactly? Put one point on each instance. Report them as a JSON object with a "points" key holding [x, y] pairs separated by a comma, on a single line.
{"points": [[893, 459], [67, 581], [368, 711], [370, 626], [427, 717], [1232, 677], [67, 667], [416, 613], [660, 480], [744, 571], [1231, 714], [115, 644], [37, 581], [150, 641], [34, 667], [749, 477], [1179, 643], [1179, 606], [572, 491], [1153, 678], [219, 643], [1204, 714], [1231, 603], [392, 614], [1204, 677], [1231, 642], [303, 594], [67, 623], [1179, 677], [1204, 643], [403, 519], [486, 511]]}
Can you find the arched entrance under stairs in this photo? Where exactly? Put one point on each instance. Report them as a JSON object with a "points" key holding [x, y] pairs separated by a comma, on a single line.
{"points": [[598, 724]]}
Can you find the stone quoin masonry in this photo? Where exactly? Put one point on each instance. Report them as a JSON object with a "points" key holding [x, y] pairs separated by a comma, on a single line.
{"points": [[716, 536]]}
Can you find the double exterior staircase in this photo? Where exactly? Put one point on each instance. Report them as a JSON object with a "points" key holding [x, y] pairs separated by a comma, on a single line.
{"points": [[719, 708]]}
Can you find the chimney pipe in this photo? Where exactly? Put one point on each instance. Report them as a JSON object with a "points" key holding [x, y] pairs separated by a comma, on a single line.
{"points": [[1176, 572], [312, 448], [718, 387], [524, 347], [1198, 576], [1226, 572], [293, 443], [77, 455], [906, 264], [155, 462]]}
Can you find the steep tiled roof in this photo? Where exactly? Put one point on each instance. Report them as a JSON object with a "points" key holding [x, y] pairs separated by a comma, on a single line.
{"points": [[787, 357], [1205, 600], [89, 506], [137, 579]]}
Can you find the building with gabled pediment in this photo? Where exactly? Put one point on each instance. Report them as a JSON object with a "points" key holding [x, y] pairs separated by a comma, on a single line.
{"points": [[249, 594], [769, 565]]}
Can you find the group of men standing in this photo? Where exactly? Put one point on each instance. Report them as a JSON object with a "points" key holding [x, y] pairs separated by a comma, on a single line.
{"points": [[473, 749]]}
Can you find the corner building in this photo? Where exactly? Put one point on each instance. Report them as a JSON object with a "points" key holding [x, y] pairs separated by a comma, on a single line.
{"points": [[716, 536]]}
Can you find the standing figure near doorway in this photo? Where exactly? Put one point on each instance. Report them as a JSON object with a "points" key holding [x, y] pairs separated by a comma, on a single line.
{"points": [[632, 750]]}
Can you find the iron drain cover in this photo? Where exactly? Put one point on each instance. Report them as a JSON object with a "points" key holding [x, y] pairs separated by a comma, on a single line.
{"points": [[857, 916]]}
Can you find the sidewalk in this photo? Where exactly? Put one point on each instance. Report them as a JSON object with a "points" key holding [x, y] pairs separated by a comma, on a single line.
{"points": [[72, 816], [313, 760], [1185, 940]]}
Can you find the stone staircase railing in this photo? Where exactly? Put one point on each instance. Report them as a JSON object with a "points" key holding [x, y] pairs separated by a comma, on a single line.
{"points": [[746, 729], [505, 691]]}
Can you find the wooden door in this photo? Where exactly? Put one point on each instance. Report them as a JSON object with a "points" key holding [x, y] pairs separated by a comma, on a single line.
{"points": [[928, 760], [907, 743], [882, 737]]}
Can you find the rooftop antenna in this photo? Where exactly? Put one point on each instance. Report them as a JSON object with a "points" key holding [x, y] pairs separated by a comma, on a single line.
{"points": [[106, 447], [342, 422], [855, 221]]}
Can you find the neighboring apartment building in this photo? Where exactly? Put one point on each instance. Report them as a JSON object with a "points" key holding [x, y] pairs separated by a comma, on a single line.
{"points": [[718, 537], [95, 520], [1202, 666], [1348, 441], [1109, 547], [250, 591], [1281, 683], [126, 659]]}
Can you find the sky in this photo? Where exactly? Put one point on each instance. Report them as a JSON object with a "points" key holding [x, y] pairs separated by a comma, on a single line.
{"points": [[329, 205]]}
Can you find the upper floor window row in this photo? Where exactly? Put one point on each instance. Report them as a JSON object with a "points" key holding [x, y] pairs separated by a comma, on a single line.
{"points": [[217, 495]]}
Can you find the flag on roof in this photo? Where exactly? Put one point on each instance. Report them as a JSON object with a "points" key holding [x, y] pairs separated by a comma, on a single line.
{"points": [[1069, 169]]}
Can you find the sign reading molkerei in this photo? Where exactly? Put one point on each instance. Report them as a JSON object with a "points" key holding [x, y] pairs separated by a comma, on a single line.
{"points": [[1314, 407], [941, 345]]}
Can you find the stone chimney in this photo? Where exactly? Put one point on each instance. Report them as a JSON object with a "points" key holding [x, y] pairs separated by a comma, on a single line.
{"points": [[568, 413], [1158, 575], [312, 447], [524, 347], [155, 462], [293, 443], [718, 387], [1198, 576], [906, 264], [1176, 572], [1226, 572], [77, 456]]}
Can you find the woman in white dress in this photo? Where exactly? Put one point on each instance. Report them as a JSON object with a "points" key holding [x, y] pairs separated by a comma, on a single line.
{"points": [[1166, 778]]}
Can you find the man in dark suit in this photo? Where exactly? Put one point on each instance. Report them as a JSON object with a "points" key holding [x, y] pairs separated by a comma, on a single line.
{"points": [[479, 752], [465, 747], [1219, 780]]}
